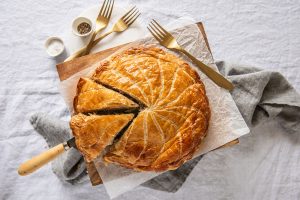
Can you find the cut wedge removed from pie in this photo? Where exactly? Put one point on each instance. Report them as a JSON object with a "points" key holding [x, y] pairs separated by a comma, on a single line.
{"points": [[94, 132], [147, 108], [94, 97]]}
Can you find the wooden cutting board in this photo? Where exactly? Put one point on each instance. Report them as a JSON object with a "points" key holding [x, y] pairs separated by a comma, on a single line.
{"points": [[67, 69]]}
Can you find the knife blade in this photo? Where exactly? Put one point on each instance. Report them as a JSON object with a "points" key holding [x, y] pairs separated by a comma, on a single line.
{"points": [[71, 143]]}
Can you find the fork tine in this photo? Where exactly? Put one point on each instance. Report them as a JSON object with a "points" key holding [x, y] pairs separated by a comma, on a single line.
{"points": [[103, 8], [155, 30], [106, 11], [162, 29], [133, 12], [156, 37], [126, 14], [131, 16], [110, 9], [133, 19]]}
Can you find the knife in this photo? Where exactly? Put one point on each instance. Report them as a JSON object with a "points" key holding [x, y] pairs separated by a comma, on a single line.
{"points": [[42, 159]]}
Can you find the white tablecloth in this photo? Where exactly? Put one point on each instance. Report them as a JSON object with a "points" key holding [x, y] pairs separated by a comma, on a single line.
{"points": [[265, 165]]}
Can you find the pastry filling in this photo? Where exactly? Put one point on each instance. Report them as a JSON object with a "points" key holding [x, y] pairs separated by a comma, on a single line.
{"points": [[115, 111]]}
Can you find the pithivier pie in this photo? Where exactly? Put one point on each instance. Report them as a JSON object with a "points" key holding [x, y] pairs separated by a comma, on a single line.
{"points": [[144, 109]]}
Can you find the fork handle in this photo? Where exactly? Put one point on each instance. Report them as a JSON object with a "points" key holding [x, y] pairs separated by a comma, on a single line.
{"points": [[90, 44], [83, 51], [77, 54], [212, 74], [101, 37]]}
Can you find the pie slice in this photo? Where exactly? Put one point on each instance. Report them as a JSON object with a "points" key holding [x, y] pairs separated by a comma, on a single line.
{"points": [[94, 132], [92, 97]]}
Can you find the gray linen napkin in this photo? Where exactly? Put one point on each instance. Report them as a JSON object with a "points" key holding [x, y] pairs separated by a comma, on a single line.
{"points": [[260, 95]]}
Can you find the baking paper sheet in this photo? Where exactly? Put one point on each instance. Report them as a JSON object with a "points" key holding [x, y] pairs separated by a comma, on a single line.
{"points": [[226, 122]]}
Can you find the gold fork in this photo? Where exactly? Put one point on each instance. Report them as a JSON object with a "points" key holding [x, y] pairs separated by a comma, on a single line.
{"points": [[121, 25], [102, 21], [168, 41]]}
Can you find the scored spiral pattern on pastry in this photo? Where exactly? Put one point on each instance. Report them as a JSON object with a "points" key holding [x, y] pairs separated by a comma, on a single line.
{"points": [[174, 110]]}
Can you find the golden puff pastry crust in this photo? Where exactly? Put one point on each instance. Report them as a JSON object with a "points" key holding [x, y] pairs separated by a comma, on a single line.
{"points": [[92, 97], [173, 114], [94, 132]]}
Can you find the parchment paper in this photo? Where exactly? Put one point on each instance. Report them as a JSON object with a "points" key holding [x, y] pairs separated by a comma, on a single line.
{"points": [[226, 122]]}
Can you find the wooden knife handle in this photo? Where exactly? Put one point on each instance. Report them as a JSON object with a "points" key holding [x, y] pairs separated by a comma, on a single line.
{"points": [[40, 160]]}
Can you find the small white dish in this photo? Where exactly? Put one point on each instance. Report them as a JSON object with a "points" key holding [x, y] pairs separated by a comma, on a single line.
{"points": [[77, 21], [54, 46]]}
